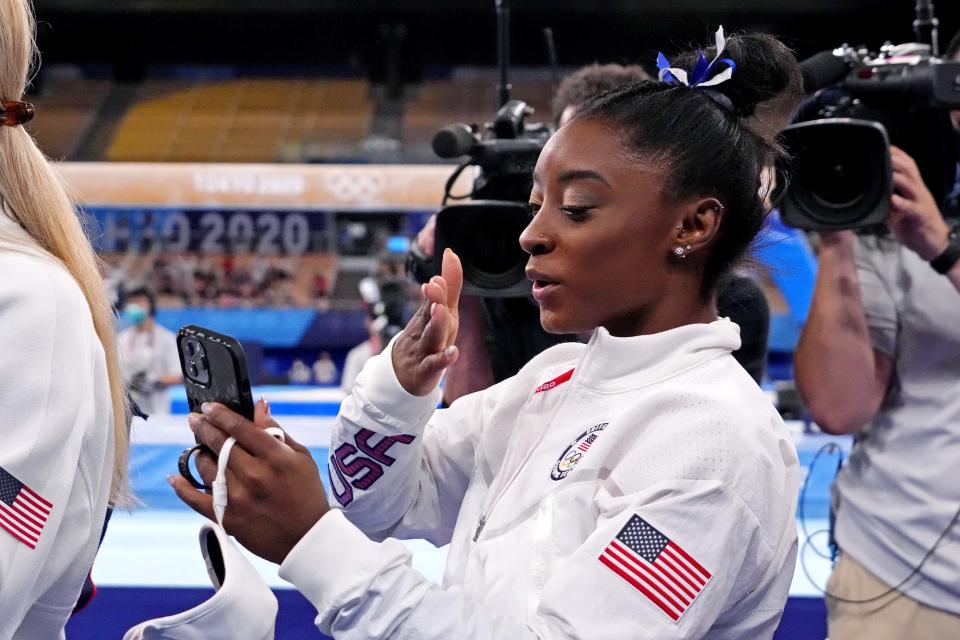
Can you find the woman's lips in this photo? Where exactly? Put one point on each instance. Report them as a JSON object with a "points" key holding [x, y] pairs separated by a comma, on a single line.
{"points": [[543, 290]]}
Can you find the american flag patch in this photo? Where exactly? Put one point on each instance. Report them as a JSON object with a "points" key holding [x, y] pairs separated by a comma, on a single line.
{"points": [[23, 512], [655, 566]]}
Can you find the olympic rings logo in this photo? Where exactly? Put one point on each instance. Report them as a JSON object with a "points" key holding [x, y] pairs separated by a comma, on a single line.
{"points": [[355, 186]]}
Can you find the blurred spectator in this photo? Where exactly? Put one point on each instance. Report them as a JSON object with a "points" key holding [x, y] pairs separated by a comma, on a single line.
{"points": [[324, 369], [320, 286], [299, 372], [222, 280], [148, 353], [358, 356]]}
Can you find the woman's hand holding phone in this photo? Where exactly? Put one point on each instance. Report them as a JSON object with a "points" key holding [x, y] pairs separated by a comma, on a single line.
{"points": [[426, 347], [275, 491]]}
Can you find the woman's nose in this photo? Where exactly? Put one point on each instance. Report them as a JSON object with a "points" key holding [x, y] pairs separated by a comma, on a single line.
{"points": [[535, 239]]}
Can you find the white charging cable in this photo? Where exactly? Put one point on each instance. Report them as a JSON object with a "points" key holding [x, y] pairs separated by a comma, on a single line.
{"points": [[220, 483]]}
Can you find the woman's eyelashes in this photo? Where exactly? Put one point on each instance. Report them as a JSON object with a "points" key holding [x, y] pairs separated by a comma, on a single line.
{"points": [[574, 212]]}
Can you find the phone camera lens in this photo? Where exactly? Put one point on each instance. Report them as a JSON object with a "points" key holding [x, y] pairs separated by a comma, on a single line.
{"points": [[191, 348], [194, 372]]}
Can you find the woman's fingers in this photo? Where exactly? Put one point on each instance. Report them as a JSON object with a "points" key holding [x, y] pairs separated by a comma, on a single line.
{"points": [[200, 502], [253, 439], [442, 284], [434, 336], [452, 272], [434, 364], [261, 415]]}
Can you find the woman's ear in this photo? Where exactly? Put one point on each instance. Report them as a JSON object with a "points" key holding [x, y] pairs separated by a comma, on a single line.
{"points": [[698, 226]]}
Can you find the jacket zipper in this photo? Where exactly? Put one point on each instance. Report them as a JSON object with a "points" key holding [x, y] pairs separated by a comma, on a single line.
{"points": [[482, 521]]}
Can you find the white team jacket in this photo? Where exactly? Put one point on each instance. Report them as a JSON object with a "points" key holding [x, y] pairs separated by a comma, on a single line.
{"points": [[56, 437], [540, 483]]}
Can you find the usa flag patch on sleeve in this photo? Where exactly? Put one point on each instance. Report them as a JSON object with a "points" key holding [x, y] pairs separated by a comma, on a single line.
{"points": [[656, 566], [23, 511]]}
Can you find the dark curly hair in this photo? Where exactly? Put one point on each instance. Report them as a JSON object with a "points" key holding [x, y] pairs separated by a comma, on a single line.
{"points": [[592, 80]]}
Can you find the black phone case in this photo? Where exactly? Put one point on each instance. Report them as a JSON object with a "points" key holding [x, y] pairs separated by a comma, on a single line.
{"points": [[229, 381]]}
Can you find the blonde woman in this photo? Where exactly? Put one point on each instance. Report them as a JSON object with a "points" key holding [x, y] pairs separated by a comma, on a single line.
{"points": [[63, 405]]}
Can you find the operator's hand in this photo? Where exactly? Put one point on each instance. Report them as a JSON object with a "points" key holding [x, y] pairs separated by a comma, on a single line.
{"points": [[275, 494], [838, 241], [426, 347], [915, 218]]}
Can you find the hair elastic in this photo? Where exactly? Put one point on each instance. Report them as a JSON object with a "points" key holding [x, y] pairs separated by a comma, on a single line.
{"points": [[14, 113], [719, 99]]}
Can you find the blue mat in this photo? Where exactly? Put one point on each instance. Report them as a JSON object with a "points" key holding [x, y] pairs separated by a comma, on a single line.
{"points": [[115, 610]]}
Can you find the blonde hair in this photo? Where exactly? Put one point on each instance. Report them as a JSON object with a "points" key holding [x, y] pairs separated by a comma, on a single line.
{"points": [[36, 196]]}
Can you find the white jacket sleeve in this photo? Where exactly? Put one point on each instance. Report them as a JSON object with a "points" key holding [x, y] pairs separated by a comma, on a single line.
{"points": [[50, 513], [398, 466], [365, 590]]}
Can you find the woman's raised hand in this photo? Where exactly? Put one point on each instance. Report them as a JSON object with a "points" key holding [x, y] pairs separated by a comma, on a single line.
{"points": [[426, 347]]}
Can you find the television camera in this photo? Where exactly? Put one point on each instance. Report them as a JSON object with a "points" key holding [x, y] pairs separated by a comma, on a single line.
{"points": [[863, 102]]}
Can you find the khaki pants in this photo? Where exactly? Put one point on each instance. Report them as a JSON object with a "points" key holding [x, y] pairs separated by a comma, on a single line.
{"points": [[893, 617]]}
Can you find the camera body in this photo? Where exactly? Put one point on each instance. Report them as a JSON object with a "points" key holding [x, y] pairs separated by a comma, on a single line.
{"points": [[840, 145], [485, 232]]}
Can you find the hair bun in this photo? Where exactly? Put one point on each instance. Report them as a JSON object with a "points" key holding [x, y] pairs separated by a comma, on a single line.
{"points": [[766, 69]]}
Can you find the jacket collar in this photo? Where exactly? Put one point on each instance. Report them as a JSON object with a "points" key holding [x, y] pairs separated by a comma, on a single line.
{"points": [[613, 364]]}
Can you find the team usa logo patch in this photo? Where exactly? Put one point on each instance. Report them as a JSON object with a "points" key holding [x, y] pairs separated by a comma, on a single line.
{"points": [[572, 455], [656, 566]]}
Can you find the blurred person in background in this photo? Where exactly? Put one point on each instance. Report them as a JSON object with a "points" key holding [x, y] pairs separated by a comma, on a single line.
{"points": [[63, 402], [879, 358], [299, 372], [324, 369], [589, 81], [358, 355], [148, 352]]}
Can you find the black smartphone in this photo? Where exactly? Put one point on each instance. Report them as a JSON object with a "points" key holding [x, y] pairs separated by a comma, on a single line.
{"points": [[214, 370]]}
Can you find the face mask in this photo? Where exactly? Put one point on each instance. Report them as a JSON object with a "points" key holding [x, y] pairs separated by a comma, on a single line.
{"points": [[134, 315]]}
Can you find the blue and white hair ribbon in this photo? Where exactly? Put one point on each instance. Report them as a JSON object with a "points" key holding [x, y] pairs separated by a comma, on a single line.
{"points": [[704, 74]]}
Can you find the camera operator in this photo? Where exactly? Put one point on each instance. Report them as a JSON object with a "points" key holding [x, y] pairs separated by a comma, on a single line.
{"points": [[386, 298], [879, 358]]}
